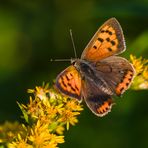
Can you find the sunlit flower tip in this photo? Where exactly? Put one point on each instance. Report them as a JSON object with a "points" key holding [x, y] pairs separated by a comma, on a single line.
{"points": [[30, 91], [143, 86], [74, 105], [31, 107], [41, 93], [53, 95], [51, 112], [69, 117], [56, 139], [73, 121], [60, 129], [19, 143], [141, 67], [41, 137], [39, 134], [67, 125], [145, 73], [45, 85], [139, 64]]}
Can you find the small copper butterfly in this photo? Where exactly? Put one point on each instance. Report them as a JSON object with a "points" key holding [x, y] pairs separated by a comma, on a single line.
{"points": [[99, 74]]}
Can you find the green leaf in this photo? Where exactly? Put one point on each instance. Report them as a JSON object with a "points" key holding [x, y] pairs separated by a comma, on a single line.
{"points": [[24, 112]]}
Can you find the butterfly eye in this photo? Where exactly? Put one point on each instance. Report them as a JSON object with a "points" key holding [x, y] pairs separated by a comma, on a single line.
{"points": [[73, 62]]}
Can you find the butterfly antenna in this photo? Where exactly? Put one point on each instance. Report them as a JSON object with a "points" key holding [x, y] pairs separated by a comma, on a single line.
{"points": [[60, 60], [73, 44], [74, 48]]}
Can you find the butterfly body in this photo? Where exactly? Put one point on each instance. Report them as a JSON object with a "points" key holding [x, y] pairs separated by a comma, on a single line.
{"points": [[89, 72], [99, 74]]}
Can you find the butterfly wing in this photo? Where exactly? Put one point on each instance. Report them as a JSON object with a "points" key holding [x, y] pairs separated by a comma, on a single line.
{"points": [[98, 102], [107, 41], [117, 72], [69, 82]]}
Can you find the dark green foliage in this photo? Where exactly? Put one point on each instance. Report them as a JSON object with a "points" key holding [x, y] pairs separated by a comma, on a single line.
{"points": [[33, 32]]}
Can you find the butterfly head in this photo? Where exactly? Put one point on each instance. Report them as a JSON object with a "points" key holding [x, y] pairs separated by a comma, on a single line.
{"points": [[75, 62]]}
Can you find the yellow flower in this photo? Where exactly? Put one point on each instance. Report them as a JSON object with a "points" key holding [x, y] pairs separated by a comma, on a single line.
{"points": [[40, 136], [40, 92], [141, 67], [72, 104], [20, 143], [8, 131], [145, 72], [69, 117], [48, 113], [139, 64], [60, 129]]}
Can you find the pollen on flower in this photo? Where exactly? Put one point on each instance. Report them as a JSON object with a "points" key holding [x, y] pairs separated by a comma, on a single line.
{"points": [[47, 114], [141, 78]]}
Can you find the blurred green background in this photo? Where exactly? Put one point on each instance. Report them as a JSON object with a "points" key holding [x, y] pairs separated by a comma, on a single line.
{"points": [[33, 32]]}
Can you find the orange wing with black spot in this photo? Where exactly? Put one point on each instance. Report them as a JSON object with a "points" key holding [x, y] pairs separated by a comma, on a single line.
{"points": [[69, 82], [107, 41]]}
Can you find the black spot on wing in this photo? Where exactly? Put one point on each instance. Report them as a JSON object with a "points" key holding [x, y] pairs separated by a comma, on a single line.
{"points": [[108, 39], [76, 88], [129, 79], [109, 32], [95, 47], [58, 85], [102, 31], [112, 42], [121, 89], [100, 39], [63, 82], [71, 74], [67, 78], [109, 49], [127, 84], [71, 87]]}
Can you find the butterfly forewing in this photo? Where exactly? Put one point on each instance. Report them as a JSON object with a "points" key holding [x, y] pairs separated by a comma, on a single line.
{"points": [[107, 41], [69, 82]]}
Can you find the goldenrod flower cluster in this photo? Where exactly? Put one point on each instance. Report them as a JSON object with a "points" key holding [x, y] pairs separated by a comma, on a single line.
{"points": [[141, 79], [47, 115]]}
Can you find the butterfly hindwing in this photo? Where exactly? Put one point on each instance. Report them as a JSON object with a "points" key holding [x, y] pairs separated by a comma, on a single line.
{"points": [[117, 72], [69, 82], [98, 102], [107, 41]]}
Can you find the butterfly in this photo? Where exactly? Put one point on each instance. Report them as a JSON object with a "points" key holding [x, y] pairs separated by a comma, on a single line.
{"points": [[99, 74]]}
